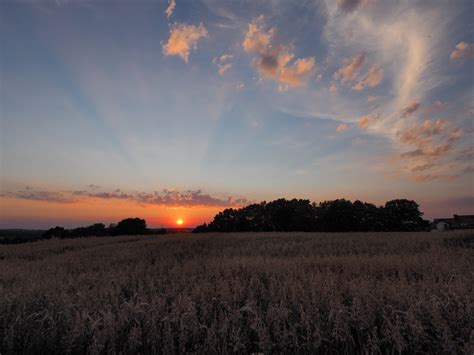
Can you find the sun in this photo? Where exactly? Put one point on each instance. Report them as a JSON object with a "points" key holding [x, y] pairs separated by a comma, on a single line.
{"points": [[179, 221]]}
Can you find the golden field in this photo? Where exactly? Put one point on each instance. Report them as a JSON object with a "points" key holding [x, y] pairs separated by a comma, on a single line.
{"points": [[240, 293]]}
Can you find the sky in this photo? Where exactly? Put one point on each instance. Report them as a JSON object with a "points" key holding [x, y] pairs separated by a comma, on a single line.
{"points": [[179, 109]]}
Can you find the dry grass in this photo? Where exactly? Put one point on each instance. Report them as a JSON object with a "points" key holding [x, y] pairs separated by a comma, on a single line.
{"points": [[269, 292]]}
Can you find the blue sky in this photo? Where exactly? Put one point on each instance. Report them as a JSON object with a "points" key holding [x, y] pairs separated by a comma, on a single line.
{"points": [[239, 101]]}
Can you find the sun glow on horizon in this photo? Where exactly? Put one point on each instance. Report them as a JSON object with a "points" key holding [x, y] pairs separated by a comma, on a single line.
{"points": [[179, 221]]}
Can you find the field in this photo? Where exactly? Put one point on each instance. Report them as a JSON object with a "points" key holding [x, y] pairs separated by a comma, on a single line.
{"points": [[244, 293]]}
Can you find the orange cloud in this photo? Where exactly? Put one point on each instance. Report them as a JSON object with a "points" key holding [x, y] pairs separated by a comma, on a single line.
{"points": [[333, 89], [183, 38], [257, 40], [463, 49], [298, 73], [416, 133], [351, 69], [341, 127], [273, 61], [373, 78]]}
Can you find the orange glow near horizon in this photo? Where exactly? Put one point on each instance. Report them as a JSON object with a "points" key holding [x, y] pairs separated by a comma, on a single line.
{"points": [[35, 214], [179, 221]]}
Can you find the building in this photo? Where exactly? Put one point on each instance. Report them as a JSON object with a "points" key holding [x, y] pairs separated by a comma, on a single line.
{"points": [[457, 222]]}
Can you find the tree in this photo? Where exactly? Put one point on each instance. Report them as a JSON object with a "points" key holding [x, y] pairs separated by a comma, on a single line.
{"points": [[329, 216], [130, 226], [56, 232], [403, 215]]}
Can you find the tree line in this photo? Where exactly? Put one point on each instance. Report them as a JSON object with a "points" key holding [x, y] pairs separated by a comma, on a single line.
{"points": [[339, 215], [128, 226]]}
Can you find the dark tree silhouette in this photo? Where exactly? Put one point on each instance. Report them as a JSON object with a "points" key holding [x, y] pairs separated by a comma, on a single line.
{"points": [[130, 226], [329, 216], [56, 232], [403, 215], [97, 230]]}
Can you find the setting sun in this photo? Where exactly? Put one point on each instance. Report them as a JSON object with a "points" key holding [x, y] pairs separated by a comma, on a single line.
{"points": [[179, 221]]}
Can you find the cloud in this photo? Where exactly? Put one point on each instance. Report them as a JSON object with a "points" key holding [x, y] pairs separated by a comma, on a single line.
{"points": [[46, 196], [401, 46], [435, 107], [257, 40], [363, 122], [435, 177], [341, 127], [187, 198], [455, 134], [273, 59], [373, 78], [223, 63], [423, 167], [409, 109], [371, 98], [463, 49], [105, 195], [171, 6], [351, 68], [351, 71], [166, 197], [183, 38], [416, 133], [348, 5], [429, 152], [298, 73], [434, 152], [333, 89]]}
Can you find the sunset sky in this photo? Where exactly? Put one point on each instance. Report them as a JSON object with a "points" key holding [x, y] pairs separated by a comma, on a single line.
{"points": [[177, 110]]}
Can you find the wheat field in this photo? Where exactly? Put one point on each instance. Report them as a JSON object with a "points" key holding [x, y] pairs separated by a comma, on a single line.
{"points": [[240, 293]]}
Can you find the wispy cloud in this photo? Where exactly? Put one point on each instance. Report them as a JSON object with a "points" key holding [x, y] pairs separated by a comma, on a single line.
{"points": [[435, 107], [223, 63], [39, 195], [183, 38], [171, 6], [409, 109]]}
